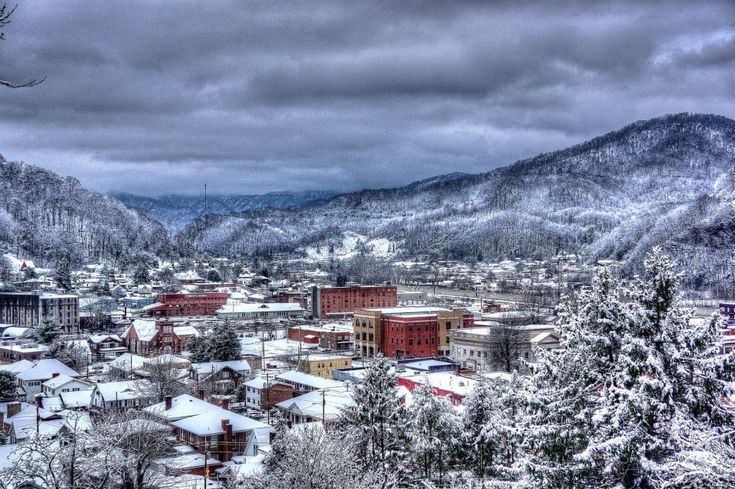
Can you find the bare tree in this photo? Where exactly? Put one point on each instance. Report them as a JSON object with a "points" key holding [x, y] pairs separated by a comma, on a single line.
{"points": [[164, 379], [503, 346], [5, 14]]}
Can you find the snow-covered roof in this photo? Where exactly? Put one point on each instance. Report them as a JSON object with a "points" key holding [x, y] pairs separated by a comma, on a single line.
{"points": [[60, 380], [409, 311], [17, 367], [265, 307], [99, 338], [15, 332], [255, 383], [76, 399], [122, 390], [426, 364], [296, 377], [145, 328], [128, 361], [201, 417], [187, 462], [44, 369], [208, 368], [446, 381], [185, 331], [331, 402]]}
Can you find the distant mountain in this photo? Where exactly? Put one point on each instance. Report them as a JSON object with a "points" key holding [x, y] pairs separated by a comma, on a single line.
{"points": [[667, 181], [44, 217], [176, 211]]}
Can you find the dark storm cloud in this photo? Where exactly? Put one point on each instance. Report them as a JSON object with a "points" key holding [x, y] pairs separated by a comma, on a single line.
{"points": [[158, 97]]}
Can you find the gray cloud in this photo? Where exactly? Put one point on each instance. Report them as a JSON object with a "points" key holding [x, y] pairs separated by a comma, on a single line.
{"points": [[258, 96]]}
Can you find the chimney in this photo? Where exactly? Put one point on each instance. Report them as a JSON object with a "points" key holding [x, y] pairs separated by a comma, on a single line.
{"points": [[13, 409], [226, 404], [201, 394], [54, 375], [227, 428], [167, 401]]}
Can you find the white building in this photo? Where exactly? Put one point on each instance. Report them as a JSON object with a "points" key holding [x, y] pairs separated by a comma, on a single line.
{"points": [[274, 310]]}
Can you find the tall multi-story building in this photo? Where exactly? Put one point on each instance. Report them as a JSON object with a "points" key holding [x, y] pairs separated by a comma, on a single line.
{"points": [[28, 309], [342, 302], [407, 332]]}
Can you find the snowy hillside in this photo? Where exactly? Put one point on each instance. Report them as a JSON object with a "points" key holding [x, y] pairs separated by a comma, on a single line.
{"points": [[662, 181], [176, 211], [45, 217]]}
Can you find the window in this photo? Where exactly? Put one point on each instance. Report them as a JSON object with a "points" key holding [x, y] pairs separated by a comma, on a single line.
{"points": [[410, 341]]}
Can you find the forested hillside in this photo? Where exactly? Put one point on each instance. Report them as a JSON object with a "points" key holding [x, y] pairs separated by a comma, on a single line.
{"points": [[666, 181], [44, 217], [176, 211]]}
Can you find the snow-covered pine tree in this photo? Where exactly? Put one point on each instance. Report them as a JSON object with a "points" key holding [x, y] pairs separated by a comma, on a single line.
{"points": [[478, 414], [374, 423], [198, 346], [564, 394], [663, 420], [141, 275], [433, 429], [637, 397], [507, 422], [47, 331], [63, 274], [8, 386], [224, 344]]}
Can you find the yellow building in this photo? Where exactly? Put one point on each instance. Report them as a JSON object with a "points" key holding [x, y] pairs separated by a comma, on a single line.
{"points": [[323, 365]]}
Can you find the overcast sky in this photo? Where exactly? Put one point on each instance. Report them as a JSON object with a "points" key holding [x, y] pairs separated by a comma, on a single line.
{"points": [[251, 97]]}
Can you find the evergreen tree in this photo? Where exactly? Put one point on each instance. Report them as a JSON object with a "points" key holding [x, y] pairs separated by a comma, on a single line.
{"points": [[477, 417], [198, 346], [8, 386], [432, 430], [634, 399], [213, 275], [72, 355], [374, 422], [47, 331], [141, 275], [63, 274], [223, 342]]}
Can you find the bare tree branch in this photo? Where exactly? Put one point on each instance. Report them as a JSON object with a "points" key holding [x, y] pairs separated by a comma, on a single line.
{"points": [[5, 14]]}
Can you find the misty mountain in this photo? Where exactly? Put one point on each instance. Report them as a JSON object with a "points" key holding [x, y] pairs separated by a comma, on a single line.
{"points": [[176, 211], [44, 217], [667, 181]]}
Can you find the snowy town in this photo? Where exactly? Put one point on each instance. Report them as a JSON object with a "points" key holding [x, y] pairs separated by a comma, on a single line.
{"points": [[192, 374], [375, 244]]}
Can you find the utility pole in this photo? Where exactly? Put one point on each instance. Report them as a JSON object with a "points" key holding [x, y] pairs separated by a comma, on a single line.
{"points": [[206, 468], [324, 409], [205, 205], [268, 398]]}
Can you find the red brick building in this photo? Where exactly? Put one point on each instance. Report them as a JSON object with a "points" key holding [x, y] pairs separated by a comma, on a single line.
{"points": [[329, 336], [173, 305], [150, 336], [341, 302], [407, 332]]}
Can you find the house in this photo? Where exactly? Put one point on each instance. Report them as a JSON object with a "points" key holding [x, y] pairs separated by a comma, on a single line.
{"points": [[30, 381], [210, 428], [63, 383], [263, 395], [322, 365], [302, 383], [12, 352], [23, 418], [125, 365], [324, 405], [105, 347], [151, 336], [227, 375], [122, 394]]}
